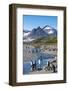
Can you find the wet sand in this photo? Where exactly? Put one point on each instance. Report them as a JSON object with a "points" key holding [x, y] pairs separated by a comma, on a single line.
{"points": [[41, 72]]}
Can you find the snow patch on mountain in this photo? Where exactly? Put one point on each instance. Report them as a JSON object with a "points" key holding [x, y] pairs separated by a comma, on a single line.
{"points": [[28, 40], [26, 34], [50, 32]]}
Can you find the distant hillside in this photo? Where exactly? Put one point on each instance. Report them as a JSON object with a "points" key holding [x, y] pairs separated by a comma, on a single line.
{"points": [[44, 41]]}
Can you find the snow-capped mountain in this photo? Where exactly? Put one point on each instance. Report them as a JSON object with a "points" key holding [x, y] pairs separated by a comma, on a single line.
{"points": [[39, 32], [50, 30], [26, 37]]}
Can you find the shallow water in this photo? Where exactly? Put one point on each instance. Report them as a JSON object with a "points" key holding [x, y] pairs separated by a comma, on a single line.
{"points": [[44, 61]]}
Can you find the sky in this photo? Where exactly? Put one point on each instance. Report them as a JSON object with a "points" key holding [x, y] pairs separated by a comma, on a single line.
{"points": [[33, 21]]}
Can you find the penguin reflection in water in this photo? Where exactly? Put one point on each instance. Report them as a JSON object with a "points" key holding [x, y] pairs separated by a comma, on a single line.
{"points": [[33, 65]]}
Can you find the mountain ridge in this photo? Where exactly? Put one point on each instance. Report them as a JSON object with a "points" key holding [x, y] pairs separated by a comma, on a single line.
{"points": [[39, 32]]}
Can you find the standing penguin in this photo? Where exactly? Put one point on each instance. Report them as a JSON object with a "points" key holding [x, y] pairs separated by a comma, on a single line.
{"points": [[33, 65]]}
